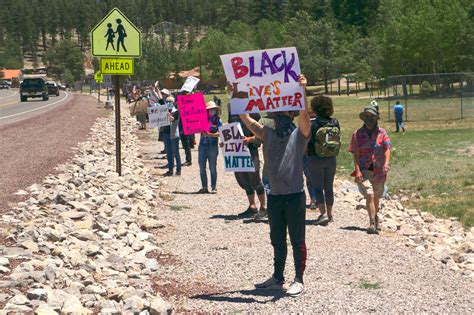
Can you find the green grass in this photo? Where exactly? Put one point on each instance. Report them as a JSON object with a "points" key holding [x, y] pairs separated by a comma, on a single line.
{"points": [[178, 207], [364, 284], [434, 158]]}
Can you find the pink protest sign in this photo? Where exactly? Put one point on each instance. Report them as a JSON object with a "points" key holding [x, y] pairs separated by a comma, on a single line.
{"points": [[264, 80], [192, 110]]}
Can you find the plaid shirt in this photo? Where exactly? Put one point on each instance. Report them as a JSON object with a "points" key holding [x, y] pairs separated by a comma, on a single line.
{"points": [[371, 146]]}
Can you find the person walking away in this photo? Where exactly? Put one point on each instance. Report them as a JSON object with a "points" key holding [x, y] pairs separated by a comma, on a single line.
{"points": [[208, 149], [251, 182], [283, 149], [323, 148], [171, 138], [371, 146], [398, 111], [307, 174]]}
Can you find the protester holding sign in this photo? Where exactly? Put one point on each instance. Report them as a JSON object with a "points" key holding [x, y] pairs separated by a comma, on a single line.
{"points": [[251, 182], [283, 148], [323, 148], [208, 149], [171, 138]]}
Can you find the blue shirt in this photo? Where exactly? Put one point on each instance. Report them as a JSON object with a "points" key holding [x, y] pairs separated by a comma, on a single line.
{"points": [[214, 123], [398, 109]]}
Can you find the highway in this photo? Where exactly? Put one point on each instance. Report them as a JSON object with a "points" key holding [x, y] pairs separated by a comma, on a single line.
{"points": [[13, 110]]}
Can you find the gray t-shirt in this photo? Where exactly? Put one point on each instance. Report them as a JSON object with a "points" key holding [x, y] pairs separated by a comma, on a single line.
{"points": [[283, 166]]}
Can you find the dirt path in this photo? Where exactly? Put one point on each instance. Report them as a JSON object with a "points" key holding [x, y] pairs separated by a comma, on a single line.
{"points": [[213, 259], [33, 147]]}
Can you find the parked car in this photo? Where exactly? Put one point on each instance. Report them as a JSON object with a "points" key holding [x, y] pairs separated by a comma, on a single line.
{"points": [[53, 88], [4, 85], [62, 86], [33, 87]]}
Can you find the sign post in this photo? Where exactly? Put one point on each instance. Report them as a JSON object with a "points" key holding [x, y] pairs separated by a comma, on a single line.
{"points": [[117, 41]]}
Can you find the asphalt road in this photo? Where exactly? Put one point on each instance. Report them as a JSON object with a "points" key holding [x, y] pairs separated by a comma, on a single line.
{"points": [[36, 136], [13, 110]]}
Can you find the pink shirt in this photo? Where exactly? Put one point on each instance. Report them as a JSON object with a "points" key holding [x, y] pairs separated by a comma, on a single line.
{"points": [[371, 146]]}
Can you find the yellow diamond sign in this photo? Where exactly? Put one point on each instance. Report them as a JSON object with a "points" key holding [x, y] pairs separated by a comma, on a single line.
{"points": [[116, 36]]}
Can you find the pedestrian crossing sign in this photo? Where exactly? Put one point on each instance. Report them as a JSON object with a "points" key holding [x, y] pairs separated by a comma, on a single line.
{"points": [[116, 36]]}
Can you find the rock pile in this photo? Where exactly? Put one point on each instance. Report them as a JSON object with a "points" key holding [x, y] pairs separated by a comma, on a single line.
{"points": [[444, 240], [82, 237]]}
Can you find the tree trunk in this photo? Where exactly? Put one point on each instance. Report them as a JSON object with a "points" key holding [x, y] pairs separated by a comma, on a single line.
{"points": [[326, 90]]}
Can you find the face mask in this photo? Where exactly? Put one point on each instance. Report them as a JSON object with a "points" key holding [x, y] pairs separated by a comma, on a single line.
{"points": [[170, 105], [370, 121], [212, 112], [284, 125]]}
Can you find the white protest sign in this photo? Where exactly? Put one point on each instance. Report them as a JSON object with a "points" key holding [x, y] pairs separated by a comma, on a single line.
{"points": [[158, 116], [237, 157], [190, 84], [264, 81]]}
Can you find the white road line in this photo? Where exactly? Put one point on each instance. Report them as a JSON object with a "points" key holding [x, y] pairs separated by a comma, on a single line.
{"points": [[11, 95], [35, 109]]}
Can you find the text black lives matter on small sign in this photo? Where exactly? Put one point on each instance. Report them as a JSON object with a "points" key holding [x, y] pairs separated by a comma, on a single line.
{"points": [[116, 36]]}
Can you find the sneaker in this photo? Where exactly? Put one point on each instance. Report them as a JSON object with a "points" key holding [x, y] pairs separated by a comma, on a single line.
{"points": [[214, 191], [262, 213], [187, 164], [295, 289], [169, 173], [371, 229], [313, 206], [203, 191], [271, 284], [250, 212], [178, 173], [322, 220]]}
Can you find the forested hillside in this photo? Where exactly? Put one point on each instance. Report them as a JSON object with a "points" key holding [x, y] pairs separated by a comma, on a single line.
{"points": [[368, 38]]}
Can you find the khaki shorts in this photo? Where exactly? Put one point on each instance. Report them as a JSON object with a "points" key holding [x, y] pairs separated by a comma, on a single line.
{"points": [[369, 187]]}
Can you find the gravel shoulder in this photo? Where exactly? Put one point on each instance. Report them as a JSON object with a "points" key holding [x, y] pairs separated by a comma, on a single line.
{"points": [[32, 148], [217, 258]]}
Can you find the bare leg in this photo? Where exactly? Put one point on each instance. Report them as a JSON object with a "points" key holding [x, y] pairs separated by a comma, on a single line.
{"points": [[370, 204], [322, 208], [252, 203], [263, 200], [329, 210]]}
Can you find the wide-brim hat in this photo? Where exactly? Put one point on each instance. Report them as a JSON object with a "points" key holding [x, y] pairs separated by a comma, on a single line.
{"points": [[370, 109], [211, 105], [166, 91]]}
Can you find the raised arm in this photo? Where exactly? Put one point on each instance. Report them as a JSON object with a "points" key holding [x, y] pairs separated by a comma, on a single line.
{"points": [[252, 125], [305, 123]]}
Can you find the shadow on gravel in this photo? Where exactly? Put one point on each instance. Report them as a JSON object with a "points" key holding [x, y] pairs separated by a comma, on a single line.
{"points": [[354, 228], [185, 192], [230, 217], [221, 297]]}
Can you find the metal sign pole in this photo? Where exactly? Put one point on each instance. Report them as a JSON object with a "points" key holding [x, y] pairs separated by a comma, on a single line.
{"points": [[98, 93], [118, 149]]}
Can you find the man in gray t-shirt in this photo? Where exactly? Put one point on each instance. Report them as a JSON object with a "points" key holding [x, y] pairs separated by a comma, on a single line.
{"points": [[283, 149]]}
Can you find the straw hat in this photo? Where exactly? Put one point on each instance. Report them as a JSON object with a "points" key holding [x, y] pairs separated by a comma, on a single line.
{"points": [[170, 99], [211, 105]]}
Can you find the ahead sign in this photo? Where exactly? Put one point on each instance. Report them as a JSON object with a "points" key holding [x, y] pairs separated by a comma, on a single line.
{"points": [[116, 36], [116, 66]]}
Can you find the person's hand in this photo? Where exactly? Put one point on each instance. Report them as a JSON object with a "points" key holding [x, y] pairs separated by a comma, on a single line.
{"points": [[302, 80], [221, 144], [386, 168], [229, 87], [246, 140], [358, 177]]}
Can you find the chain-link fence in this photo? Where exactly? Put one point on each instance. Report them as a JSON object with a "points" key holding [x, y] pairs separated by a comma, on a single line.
{"points": [[439, 96]]}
